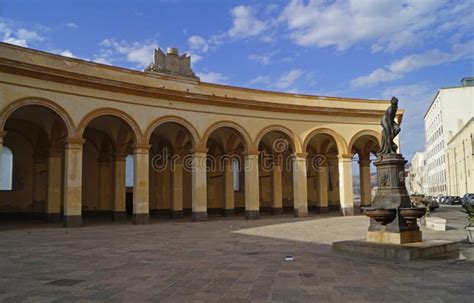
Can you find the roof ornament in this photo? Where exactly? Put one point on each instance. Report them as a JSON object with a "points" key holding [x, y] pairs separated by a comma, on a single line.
{"points": [[171, 63]]}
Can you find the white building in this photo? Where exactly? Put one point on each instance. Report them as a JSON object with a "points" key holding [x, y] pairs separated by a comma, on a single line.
{"points": [[450, 107], [416, 179]]}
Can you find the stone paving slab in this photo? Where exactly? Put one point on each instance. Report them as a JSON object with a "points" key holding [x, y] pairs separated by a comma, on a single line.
{"points": [[223, 260]]}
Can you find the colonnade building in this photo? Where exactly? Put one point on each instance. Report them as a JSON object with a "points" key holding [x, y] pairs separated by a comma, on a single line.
{"points": [[70, 129]]}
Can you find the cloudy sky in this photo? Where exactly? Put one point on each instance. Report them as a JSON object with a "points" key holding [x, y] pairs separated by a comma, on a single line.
{"points": [[359, 48]]}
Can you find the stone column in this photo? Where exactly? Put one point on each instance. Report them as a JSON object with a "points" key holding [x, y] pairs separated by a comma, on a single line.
{"points": [[53, 203], [365, 187], [105, 183], [2, 135], [252, 199], [177, 189], [141, 207], [39, 181], [119, 213], [322, 178], [300, 188], [199, 186], [73, 183], [345, 184], [229, 206], [277, 189]]}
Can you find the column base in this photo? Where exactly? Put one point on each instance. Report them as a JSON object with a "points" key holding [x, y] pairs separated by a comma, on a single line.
{"points": [[176, 214], [119, 216], [347, 211], [72, 221], [228, 212], [322, 209], [140, 219], [299, 213], [276, 211], [199, 216], [252, 214], [53, 218]]}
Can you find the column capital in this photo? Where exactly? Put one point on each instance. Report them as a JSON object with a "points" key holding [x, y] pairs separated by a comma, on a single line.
{"points": [[199, 154], [141, 148], [120, 157], [251, 153], [74, 143], [199, 149], [55, 152], [2, 135], [345, 156], [300, 155]]}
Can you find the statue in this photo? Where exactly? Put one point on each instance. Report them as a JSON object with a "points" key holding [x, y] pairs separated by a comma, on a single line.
{"points": [[390, 129], [171, 63]]}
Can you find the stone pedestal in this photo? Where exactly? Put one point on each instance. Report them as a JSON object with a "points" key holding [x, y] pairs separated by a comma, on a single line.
{"points": [[392, 196], [394, 238]]}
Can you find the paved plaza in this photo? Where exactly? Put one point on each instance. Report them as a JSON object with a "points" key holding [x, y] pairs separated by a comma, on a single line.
{"points": [[222, 260]]}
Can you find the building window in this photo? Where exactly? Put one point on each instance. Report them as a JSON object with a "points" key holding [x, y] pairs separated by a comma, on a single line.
{"points": [[236, 173], [129, 171], [7, 169]]}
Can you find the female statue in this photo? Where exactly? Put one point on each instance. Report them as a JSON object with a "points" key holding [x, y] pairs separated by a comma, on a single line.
{"points": [[390, 128]]}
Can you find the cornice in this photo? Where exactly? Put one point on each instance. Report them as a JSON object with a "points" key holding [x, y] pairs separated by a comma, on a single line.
{"points": [[81, 80]]}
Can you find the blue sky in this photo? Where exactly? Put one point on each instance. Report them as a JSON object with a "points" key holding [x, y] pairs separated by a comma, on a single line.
{"points": [[363, 49]]}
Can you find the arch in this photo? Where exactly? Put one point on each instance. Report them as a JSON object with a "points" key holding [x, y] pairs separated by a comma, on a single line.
{"points": [[229, 124], [38, 101], [295, 142], [110, 112], [172, 119], [366, 132], [340, 142]]}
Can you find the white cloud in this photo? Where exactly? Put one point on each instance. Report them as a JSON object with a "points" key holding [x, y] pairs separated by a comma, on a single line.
{"points": [[65, 53], [212, 77], [288, 79], [263, 80], [262, 59], [245, 23], [378, 75], [198, 44], [413, 62], [285, 81], [101, 60], [138, 53], [9, 33], [195, 58], [72, 25], [387, 25]]}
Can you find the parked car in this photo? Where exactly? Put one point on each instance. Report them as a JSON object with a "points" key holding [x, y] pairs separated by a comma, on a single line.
{"points": [[433, 203], [468, 199], [453, 200], [443, 199]]}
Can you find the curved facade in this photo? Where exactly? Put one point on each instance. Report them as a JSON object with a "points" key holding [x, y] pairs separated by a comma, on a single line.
{"points": [[197, 147]]}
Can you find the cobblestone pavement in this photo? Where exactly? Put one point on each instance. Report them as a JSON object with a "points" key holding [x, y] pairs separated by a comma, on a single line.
{"points": [[223, 260]]}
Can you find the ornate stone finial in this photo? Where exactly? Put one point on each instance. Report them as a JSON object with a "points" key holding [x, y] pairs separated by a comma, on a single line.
{"points": [[171, 63], [390, 129]]}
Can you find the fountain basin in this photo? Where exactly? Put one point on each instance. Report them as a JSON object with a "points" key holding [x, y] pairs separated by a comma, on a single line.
{"points": [[412, 213], [381, 215]]}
